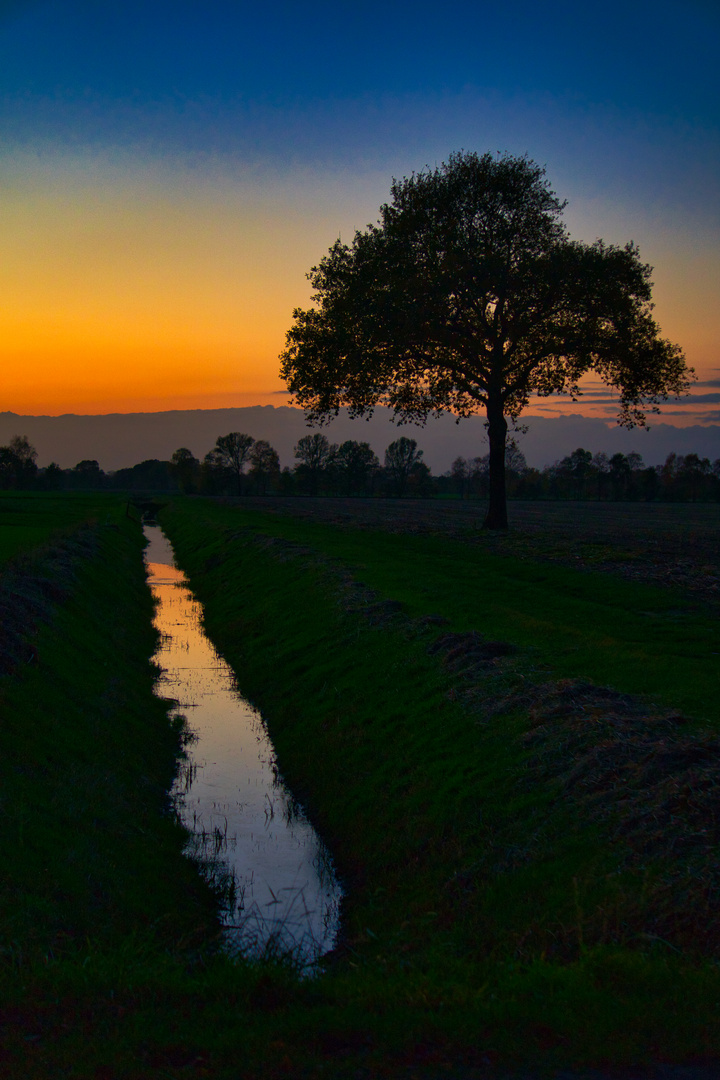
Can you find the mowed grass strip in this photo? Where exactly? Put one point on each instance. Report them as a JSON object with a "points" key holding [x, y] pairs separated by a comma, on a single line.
{"points": [[478, 901], [473, 894], [573, 623], [30, 519], [635, 637]]}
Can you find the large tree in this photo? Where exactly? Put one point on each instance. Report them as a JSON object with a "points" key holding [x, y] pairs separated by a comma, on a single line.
{"points": [[467, 296]]}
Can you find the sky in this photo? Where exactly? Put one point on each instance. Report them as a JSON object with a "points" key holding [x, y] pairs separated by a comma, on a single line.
{"points": [[171, 169]]}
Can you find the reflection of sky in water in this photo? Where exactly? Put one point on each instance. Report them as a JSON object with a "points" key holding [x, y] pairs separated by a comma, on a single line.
{"points": [[229, 792]]}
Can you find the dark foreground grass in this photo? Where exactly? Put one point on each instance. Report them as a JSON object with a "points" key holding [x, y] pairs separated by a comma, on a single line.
{"points": [[488, 924], [29, 519], [638, 638], [486, 907]]}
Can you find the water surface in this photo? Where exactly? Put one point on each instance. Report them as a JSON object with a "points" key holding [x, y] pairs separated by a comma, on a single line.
{"points": [[229, 791]]}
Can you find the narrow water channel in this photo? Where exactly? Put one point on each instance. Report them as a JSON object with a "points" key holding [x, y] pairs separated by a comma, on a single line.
{"points": [[229, 792]]}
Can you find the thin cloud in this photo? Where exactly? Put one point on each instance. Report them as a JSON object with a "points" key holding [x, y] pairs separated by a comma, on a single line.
{"points": [[705, 417], [689, 402]]}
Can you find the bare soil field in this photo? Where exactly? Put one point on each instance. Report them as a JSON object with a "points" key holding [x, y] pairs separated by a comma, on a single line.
{"points": [[675, 544]]}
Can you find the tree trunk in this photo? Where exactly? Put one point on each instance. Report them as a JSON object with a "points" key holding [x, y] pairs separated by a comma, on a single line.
{"points": [[497, 432]]}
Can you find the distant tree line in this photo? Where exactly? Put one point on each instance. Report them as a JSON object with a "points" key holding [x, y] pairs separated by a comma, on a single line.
{"points": [[586, 476], [238, 464], [621, 477]]}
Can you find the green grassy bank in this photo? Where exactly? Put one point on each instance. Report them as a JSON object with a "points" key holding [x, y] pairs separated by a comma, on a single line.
{"points": [[503, 908], [95, 895], [498, 904], [28, 520]]}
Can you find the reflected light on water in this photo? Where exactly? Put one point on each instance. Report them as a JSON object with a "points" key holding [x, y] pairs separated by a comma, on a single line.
{"points": [[283, 895]]}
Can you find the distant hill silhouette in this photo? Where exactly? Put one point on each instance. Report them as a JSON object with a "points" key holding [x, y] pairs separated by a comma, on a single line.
{"points": [[119, 440]]}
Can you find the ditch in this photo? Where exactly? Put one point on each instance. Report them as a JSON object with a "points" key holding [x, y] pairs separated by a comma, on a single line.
{"points": [[280, 894]]}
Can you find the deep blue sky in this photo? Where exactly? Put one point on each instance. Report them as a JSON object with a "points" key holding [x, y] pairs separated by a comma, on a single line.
{"points": [[659, 57], [324, 79]]}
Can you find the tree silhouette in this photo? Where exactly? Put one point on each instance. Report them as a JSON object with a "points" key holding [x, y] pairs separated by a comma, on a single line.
{"points": [[264, 464], [186, 469], [467, 296], [52, 477], [578, 468], [460, 471], [401, 457], [356, 464], [87, 474], [232, 452], [18, 467], [619, 469], [314, 453]]}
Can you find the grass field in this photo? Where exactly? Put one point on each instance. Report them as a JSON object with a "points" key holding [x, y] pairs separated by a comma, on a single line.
{"points": [[440, 764], [28, 519], [513, 759]]}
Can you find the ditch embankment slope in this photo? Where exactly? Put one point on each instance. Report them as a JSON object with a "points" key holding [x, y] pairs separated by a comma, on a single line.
{"points": [[95, 893], [516, 767], [495, 920]]}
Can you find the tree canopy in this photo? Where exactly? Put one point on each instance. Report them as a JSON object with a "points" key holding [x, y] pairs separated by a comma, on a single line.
{"points": [[468, 295], [232, 451], [401, 457], [17, 462], [264, 464], [314, 454], [356, 464]]}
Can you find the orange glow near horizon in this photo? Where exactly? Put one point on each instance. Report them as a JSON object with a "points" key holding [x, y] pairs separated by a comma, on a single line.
{"points": [[143, 293], [122, 293]]}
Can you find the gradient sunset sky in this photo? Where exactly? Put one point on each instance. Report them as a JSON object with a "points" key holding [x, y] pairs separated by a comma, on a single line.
{"points": [[170, 170]]}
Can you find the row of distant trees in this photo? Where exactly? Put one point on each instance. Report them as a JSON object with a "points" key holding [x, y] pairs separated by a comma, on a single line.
{"points": [[584, 475], [241, 465], [238, 464]]}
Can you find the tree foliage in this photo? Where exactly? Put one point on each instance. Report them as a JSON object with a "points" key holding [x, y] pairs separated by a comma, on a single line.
{"points": [[356, 465], [18, 466], [264, 465], [87, 474], [401, 458], [468, 295], [185, 467], [232, 452], [314, 454]]}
